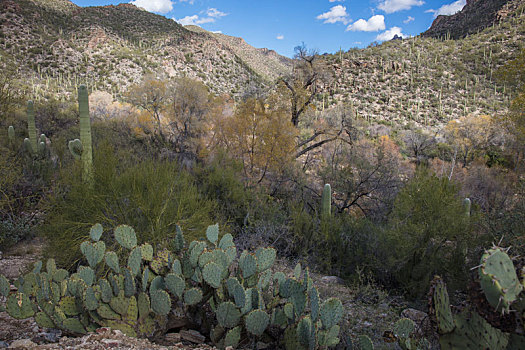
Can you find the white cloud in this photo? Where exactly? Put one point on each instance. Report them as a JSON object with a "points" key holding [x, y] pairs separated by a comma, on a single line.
{"points": [[217, 31], [336, 0], [374, 24], [409, 19], [449, 9], [212, 14], [160, 6], [280, 37], [389, 34], [188, 1], [336, 14], [391, 6]]}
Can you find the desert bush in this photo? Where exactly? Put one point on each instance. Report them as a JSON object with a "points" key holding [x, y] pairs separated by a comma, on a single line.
{"points": [[428, 233], [153, 196]]}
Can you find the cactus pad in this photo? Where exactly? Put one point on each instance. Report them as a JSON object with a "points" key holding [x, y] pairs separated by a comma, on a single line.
{"points": [[94, 252], [232, 337], [236, 290], [265, 258], [473, 332], [226, 242], [175, 284], [331, 312], [90, 299], [147, 251], [134, 261], [73, 325], [19, 306], [256, 322], [228, 315], [404, 328], [212, 233], [43, 320], [160, 302], [178, 241], [96, 232], [111, 259], [365, 343], [212, 274], [143, 305], [106, 293], [125, 236], [129, 283], [498, 279], [192, 296], [248, 264], [444, 317], [4, 286], [86, 274]]}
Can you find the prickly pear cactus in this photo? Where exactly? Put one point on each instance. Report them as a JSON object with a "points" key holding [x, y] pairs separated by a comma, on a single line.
{"points": [[498, 279], [138, 292]]}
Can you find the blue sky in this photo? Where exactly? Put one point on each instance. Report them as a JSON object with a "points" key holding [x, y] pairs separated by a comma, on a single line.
{"points": [[325, 25]]}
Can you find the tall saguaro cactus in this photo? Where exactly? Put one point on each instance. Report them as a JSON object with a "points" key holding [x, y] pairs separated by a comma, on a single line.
{"points": [[31, 143], [326, 201], [11, 134], [82, 148], [466, 206]]}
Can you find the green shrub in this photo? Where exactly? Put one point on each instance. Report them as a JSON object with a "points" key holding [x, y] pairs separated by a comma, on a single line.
{"points": [[428, 233], [152, 196]]}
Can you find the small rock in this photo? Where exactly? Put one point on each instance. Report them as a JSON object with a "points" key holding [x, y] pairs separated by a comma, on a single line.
{"points": [[112, 343], [172, 337], [3, 344], [332, 280], [192, 336], [52, 336], [36, 329], [367, 324], [22, 344]]}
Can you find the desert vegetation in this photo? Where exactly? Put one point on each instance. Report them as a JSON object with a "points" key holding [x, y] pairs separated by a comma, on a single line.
{"points": [[394, 168]]}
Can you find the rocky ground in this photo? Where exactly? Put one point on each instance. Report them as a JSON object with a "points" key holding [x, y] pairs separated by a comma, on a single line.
{"points": [[369, 310]]}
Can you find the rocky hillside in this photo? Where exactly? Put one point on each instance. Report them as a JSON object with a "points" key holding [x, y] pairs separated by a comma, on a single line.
{"points": [[267, 63], [57, 45], [475, 16], [427, 81]]}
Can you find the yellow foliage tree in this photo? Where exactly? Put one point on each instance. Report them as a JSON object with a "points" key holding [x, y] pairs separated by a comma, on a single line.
{"points": [[471, 134], [151, 95], [262, 138]]}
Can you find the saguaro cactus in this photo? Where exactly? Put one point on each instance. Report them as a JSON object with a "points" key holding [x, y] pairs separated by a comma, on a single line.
{"points": [[466, 205], [31, 143], [11, 134], [326, 201], [82, 148]]}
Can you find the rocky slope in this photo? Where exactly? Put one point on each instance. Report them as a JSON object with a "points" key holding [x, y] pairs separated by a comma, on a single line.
{"points": [[474, 17], [428, 81], [57, 45], [266, 62]]}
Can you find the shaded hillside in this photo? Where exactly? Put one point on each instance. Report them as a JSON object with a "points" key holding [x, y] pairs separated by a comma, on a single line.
{"points": [[57, 44], [474, 17]]}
